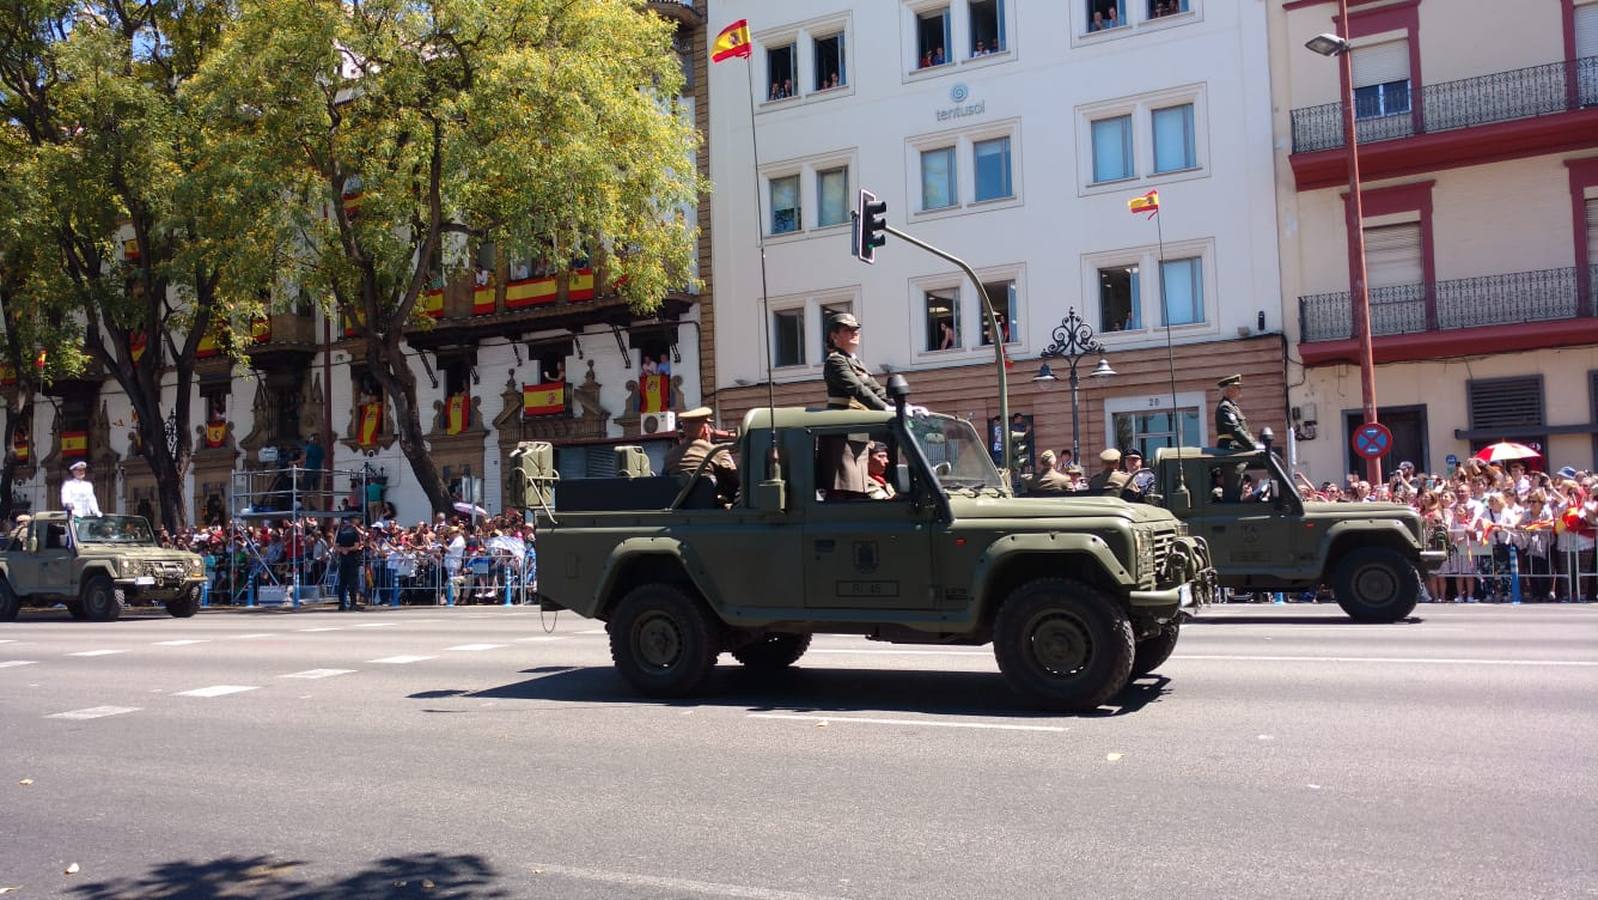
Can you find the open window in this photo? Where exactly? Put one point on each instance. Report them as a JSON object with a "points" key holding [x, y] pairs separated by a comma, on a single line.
{"points": [[987, 27], [1103, 15], [1002, 295], [830, 71], [933, 38], [942, 309], [788, 337], [1159, 9], [782, 65], [1245, 482]]}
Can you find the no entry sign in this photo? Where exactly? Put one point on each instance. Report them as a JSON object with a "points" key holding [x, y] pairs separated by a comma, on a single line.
{"points": [[1372, 440]]}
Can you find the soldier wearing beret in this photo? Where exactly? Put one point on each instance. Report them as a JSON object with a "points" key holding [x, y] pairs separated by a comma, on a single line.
{"points": [[1110, 481], [1231, 426], [695, 444], [845, 460]]}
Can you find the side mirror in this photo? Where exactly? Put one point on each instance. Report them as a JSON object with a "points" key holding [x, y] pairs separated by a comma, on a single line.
{"points": [[901, 479]]}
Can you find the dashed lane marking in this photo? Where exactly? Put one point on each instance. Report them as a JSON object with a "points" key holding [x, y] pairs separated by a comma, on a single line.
{"points": [[96, 652], [1399, 660], [472, 648], [318, 673], [181, 643], [874, 652], [7, 641], [542, 638], [315, 630], [375, 625], [218, 690], [258, 634], [398, 660], [594, 631], [675, 886], [927, 723], [94, 712], [13, 663]]}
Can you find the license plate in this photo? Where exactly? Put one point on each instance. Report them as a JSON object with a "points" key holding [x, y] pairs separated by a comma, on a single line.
{"points": [[144, 581], [1186, 593]]}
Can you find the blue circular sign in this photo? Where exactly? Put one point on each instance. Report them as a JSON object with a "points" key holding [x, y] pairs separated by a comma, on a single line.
{"points": [[959, 92], [1372, 440]]}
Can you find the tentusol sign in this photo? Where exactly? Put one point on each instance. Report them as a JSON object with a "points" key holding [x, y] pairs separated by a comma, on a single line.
{"points": [[961, 109]]}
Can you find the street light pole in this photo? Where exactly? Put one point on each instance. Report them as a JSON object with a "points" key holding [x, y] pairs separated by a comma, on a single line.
{"points": [[1073, 339]]}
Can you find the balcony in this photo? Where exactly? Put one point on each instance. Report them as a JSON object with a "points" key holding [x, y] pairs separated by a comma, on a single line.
{"points": [[683, 12], [1540, 109], [1463, 316]]}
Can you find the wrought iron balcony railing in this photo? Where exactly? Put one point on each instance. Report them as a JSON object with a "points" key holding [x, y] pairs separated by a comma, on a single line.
{"points": [[1451, 105], [1511, 299]]}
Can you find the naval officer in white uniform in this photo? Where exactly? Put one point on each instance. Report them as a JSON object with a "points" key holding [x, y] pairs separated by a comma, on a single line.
{"points": [[77, 493]]}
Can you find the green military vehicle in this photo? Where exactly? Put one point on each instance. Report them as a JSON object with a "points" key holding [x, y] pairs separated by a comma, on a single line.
{"points": [[1076, 595], [1263, 537], [95, 566]]}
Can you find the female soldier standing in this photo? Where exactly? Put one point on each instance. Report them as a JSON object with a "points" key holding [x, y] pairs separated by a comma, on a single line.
{"points": [[845, 459]]}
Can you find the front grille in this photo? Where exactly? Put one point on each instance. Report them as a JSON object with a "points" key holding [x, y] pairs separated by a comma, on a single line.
{"points": [[1164, 540]]}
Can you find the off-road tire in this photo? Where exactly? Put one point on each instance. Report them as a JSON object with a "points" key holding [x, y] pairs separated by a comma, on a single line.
{"points": [[10, 603], [1152, 652], [1063, 644], [75, 609], [1376, 584], [663, 640], [184, 605], [99, 599], [773, 651]]}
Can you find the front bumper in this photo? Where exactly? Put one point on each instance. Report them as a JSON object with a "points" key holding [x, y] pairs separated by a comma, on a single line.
{"points": [[1432, 560], [158, 586], [1162, 604]]}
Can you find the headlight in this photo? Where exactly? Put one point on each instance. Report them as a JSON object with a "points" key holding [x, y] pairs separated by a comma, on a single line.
{"points": [[1145, 552], [196, 566], [128, 567]]}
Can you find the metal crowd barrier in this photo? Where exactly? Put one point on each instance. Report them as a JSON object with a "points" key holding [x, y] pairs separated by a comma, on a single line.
{"points": [[1521, 561], [395, 578]]}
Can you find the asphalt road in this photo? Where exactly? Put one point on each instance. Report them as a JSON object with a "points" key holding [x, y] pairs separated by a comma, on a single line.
{"points": [[1283, 752]]}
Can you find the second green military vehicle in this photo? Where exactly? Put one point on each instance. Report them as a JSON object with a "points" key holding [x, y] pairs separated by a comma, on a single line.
{"points": [[1262, 537], [95, 566], [1077, 595]]}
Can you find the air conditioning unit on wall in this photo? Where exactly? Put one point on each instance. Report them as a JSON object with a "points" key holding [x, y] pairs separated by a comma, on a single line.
{"points": [[659, 423]]}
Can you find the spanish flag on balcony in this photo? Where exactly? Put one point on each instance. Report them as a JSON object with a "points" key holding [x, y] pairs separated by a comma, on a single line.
{"points": [[138, 342], [215, 434], [483, 300], [371, 423], [733, 41], [74, 443], [654, 393], [455, 413], [130, 250], [1148, 203], [431, 304], [20, 447], [547, 399], [8, 374]]}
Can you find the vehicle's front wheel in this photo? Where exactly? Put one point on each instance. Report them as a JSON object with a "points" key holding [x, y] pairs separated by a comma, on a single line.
{"points": [[1376, 584], [1063, 644], [185, 604], [773, 651], [75, 609], [99, 599], [663, 641], [10, 603], [1152, 652]]}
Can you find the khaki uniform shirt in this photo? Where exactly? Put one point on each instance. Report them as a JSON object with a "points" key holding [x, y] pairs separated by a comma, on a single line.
{"points": [[685, 456], [1109, 484], [1051, 482], [1231, 427]]}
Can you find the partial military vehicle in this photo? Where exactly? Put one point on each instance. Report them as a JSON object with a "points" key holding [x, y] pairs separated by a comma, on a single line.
{"points": [[1077, 595], [95, 566], [1262, 537]]}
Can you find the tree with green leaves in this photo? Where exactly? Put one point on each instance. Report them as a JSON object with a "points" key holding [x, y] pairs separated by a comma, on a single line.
{"points": [[146, 223], [549, 128]]}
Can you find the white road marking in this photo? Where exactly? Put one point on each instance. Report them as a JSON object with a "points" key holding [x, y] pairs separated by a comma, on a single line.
{"points": [[318, 673], [315, 630], [675, 886], [13, 663], [94, 712], [218, 690], [7, 641], [258, 634], [96, 652], [399, 660], [992, 726], [874, 652], [594, 631], [375, 625], [472, 648], [182, 643], [543, 638], [1400, 660]]}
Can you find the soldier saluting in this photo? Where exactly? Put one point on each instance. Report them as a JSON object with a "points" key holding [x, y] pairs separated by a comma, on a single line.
{"points": [[1231, 426]]}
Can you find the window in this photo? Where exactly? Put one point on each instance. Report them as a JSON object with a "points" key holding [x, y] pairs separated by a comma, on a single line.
{"points": [[834, 453], [827, 309], [832, 196], [788, 338], [1150, 431], [1002, 296], [455, 371], [1174, 146], [1381, 80], [1245, 483], [991, 160], [987, 27], [1182, 290], [938, 189], [782, 65], [1393, 255], [932, 38], [1159, 9], [1592, 231], [1119, 307], [1103, 15], [785, 205], [1586, 27], [829, 62], [1112, 149], [484, 264], [943, 319]]}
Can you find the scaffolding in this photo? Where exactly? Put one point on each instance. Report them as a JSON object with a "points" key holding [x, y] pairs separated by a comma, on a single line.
{"points": [[291, 493]]}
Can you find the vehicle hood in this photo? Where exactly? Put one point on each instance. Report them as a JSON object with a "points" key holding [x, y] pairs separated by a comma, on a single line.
{"points": [[1057, 507]]}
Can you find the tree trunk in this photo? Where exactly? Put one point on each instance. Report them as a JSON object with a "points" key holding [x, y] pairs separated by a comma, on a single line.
{"points": [[8, 469], [388, 364]]}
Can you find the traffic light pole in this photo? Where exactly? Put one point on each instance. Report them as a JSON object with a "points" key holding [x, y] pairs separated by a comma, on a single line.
{"points": [[994, 332]]}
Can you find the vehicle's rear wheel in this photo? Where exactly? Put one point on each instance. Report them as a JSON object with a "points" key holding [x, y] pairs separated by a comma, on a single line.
{"points": [[185, 604], [773, 651], [75, 609], [10, 603], [100, 603], [663, 641], [1063, 644], [1376, 584], [1152, 652]]}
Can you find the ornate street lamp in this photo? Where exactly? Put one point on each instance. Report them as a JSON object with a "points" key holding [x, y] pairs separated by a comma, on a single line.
{"points": [[1072, 340]]}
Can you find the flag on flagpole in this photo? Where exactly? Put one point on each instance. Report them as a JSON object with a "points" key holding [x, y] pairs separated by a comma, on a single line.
{"points": [[733, 41], [1148, 203]]}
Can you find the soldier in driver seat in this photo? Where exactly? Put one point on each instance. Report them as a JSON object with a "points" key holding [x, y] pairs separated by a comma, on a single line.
{"points": [[691, 449]]}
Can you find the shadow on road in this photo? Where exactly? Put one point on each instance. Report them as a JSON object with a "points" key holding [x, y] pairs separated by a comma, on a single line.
{"points": [[1335, 617], [809, 689], [269, 878]]}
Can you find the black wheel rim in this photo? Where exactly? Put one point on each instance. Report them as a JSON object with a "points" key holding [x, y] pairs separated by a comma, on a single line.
{"points": [[1375, 586], [657, 641], [1059, 643]]}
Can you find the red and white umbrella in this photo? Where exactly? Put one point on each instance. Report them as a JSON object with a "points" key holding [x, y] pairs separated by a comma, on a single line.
{"points": [[1503, 451]]}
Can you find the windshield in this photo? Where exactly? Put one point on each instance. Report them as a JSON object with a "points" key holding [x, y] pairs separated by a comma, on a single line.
{"points": [[114, 530], [955, 451]]}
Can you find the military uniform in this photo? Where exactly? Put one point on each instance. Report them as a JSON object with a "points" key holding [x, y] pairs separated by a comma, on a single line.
{"points": [[850, 384], [685, 456], [845, 459], [1231, 426], [1111, 481], [1050, 482]]}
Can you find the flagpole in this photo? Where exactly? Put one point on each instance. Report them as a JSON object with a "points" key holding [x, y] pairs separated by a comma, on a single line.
{"points": [[1170, 351], [773, 466]]}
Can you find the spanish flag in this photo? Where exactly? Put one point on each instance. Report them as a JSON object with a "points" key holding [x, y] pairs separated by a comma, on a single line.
{"points": [[1148, 203], [138, 342], [548, 399], [733, 41], [215, 434], [20, 446], [371, 423], [455, 413], [654, 394], [74, 443]]}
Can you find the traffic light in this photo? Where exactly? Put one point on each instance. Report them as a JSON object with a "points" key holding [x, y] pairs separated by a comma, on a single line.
{"points": [[870, 222], [1021, 450]]}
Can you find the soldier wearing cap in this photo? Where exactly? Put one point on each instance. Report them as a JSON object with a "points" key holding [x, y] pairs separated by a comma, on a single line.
{"points": [[685, 456], [845, 459], [1110, 481], [1139, 481], [1049, 479], [1231, 426], [77, 493]]}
